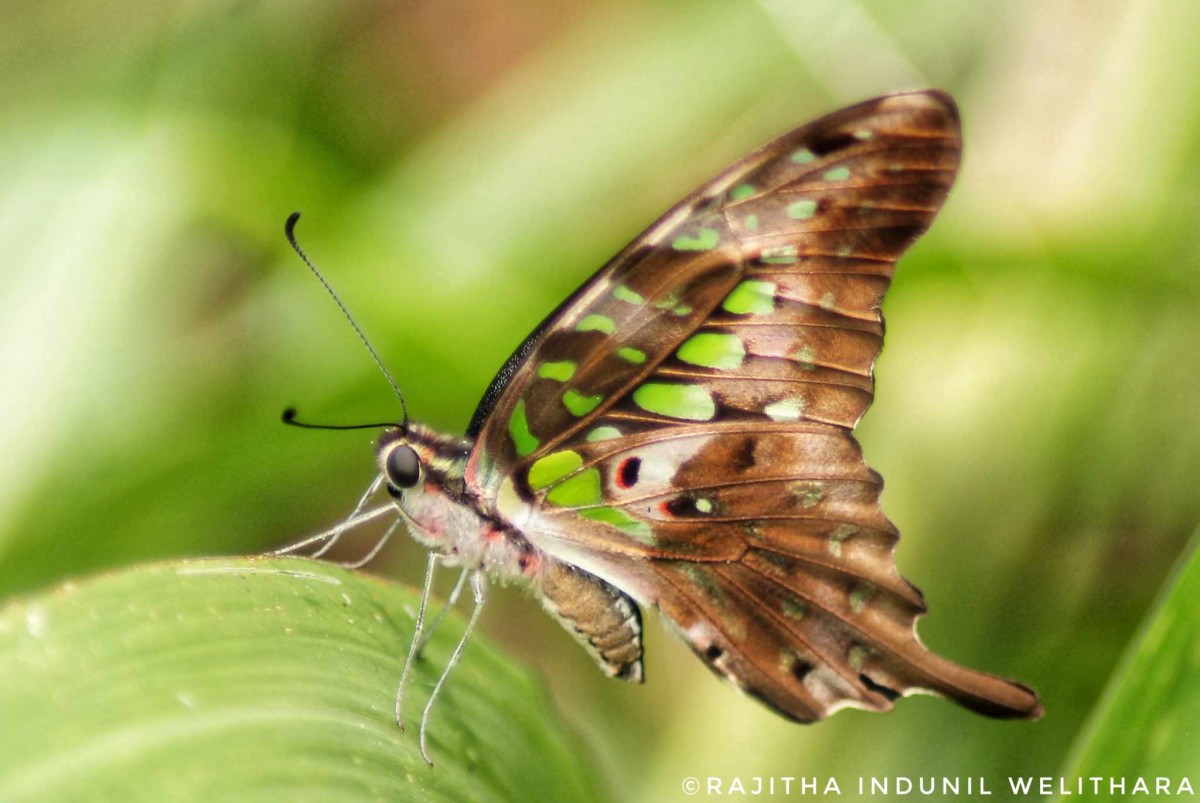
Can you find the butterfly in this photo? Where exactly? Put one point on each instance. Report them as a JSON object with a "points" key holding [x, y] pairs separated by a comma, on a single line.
{"points": [[678, 433]]}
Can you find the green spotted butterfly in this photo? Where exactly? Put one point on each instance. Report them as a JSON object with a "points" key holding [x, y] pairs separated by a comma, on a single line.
{"points": [[678, 433]]}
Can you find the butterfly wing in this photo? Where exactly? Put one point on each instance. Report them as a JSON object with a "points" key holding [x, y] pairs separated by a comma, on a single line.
{"points": [[771, 272], [680, 427]]}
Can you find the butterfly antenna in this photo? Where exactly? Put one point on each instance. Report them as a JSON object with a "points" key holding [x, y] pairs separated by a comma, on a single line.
{"points": [[289, 418], [290, 230]]}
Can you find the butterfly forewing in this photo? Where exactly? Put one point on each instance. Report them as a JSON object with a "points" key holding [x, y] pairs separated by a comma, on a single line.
{"points": [[680, 427], [772, 272]]}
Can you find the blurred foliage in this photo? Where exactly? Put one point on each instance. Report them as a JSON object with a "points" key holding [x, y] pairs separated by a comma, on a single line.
{"points": [[262, 680], [1144, 724], [462, 166]]}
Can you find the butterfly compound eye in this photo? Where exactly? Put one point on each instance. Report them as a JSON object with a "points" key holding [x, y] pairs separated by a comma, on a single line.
{"points": [[403, 467]]}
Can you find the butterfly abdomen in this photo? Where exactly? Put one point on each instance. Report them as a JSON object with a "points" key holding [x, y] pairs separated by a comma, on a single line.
{"points": [[603, 619]]}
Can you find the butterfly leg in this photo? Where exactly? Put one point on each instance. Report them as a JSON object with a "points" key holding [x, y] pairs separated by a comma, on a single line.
{"points": [[330, 536], [416, 639], [362, 502], [374, 551], [333, 532], [478, 586], [437, 620]]}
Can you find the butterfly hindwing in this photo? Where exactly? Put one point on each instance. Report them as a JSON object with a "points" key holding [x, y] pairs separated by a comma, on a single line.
{"points": [[681, 426], [765, 544]]}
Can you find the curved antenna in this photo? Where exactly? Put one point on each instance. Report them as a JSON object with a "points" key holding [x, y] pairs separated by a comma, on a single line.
{"points": [[289, 229], [289, 418]]}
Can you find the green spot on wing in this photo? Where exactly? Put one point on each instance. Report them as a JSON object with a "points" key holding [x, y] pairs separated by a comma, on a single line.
{"points": [[751, 298], [618, 518], [801, 210], [579, 404], [859, 596], [839, 535], [603, 434], [741, 192], [518, 429], [808, 494], [837, 174], [752, 222], [785, 410], [780, 255], [552, 468], [596, 323], [623, 293], [558, 371], [702, 577], [713, 350], [793, 609], [635, 356], [689, 402], [802, 156], [577, 490], [670, 302], [704, 240], [780, 565]]}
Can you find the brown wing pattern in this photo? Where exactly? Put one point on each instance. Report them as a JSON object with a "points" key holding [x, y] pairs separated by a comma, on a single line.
{"points": [[681, 427], [765, 545], [757, 297]]}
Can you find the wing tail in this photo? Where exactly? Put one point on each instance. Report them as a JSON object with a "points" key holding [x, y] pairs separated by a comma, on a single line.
{"points": [[924, 671], [807, 646]]}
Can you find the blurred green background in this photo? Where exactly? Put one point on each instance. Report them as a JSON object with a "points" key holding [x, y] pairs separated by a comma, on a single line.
{"points": [[462, 166]]}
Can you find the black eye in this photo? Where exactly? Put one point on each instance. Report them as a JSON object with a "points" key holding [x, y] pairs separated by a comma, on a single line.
{"points": [[403, 467]]}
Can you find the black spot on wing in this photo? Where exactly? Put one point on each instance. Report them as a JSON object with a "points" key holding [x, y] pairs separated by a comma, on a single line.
{"points": [[825, 143], [891, 694], [681, 506], [627, 474], [800, 670], [743, 455]]}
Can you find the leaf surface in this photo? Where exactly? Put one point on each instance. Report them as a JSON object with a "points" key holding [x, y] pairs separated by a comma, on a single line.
{"points": [[260, 679], [1145, 725]]}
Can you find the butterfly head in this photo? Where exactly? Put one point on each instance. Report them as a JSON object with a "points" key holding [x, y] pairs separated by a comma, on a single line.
{"points": [[415, 460], [423, 471], [400, 462]]}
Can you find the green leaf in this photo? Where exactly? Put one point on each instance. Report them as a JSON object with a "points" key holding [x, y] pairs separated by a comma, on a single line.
{"points": [[261, 679], [1144, 725]]}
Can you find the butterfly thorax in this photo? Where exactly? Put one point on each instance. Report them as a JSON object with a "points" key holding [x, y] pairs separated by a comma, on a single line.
{"points": [[425, 473], [443, 514]]}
